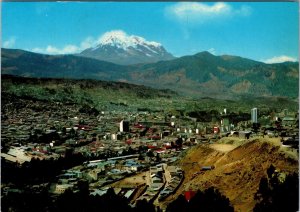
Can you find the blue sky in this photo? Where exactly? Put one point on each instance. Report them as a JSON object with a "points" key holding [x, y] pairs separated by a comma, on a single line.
{"points": [[261, 31]]}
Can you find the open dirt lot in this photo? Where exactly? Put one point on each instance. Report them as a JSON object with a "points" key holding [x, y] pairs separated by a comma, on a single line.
{"points": [[222, 147], [132, 181]]}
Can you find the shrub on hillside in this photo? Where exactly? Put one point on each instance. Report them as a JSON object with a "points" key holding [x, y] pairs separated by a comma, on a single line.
{"points": [[209, 200]]}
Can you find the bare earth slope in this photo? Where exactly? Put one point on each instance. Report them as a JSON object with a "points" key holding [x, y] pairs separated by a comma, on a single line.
{"points": [[239, 166]]}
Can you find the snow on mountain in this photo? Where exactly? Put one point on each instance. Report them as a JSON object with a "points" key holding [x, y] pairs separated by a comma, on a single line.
{"points": [[120, 39], [118, 47]]}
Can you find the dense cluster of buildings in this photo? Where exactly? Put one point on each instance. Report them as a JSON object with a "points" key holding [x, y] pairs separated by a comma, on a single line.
{"points": [[117, 144]]}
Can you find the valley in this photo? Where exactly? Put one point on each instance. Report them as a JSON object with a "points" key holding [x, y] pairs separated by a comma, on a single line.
{"points": [[136, 140]]}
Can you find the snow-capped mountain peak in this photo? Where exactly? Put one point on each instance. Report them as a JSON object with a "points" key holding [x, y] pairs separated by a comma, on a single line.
{"points": [[120, 39], [118, 47]]}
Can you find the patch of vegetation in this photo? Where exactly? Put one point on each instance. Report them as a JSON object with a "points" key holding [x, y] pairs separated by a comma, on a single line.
{"points": [[209, 200], [277, 192]]}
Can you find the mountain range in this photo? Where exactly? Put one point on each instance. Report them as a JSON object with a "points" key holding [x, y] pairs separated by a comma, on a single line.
{"points": [[28, 64], [199, 75], [204, 74]]}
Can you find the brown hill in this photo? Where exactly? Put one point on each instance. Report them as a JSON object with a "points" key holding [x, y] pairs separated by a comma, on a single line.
{"points": [[239, 166]]}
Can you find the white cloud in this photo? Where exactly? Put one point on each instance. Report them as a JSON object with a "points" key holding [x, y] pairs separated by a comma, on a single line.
{"points": [[88, 43], [114, 33], [280, 59], [212, 51], [38, 50], [9, 43], [52, 50], [68, 49], [197, 13]]}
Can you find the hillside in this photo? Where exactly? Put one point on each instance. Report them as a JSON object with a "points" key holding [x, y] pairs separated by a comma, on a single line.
{"points": [[28, 64], [124, 96], [204, 74], [239, 166], [199, 75], [99, 94]]}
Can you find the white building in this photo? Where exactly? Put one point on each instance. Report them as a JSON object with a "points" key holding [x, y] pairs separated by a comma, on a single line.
{"points": [[121, 126], [124, 126], [19, 153], [254, 115], [59, 189]]}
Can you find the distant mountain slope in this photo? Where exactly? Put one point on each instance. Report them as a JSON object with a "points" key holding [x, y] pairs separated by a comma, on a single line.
{"points": [[117, 47], [23, 63], [110, 95], [199, 75], [224, 76], [79, 90]]}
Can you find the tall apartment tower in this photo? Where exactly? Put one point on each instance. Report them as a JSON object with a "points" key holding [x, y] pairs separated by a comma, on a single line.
{"points": [[254, 115], [121, 126], [124, 126]]}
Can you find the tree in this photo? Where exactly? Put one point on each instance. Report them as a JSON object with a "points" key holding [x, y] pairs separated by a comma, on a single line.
{"points": [[66, 201], [113, 202], [143, 149], [263, 189], [274, 195], [143, 205], [209, 200], [64, 131], [130, 151], [141, 157], [178, 205], [150, 154], [179, 142], [158, 159], [270, 171]]}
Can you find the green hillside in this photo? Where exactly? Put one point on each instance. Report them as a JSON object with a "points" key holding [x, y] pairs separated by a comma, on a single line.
{"points": [[204, 74], [104, 95], [28, 64], [197, 76]]}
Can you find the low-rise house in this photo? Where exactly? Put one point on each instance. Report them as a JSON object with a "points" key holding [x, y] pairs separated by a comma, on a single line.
{"points": [[19, 153], [244, 134], [93, 174], [11, 158], [61, 188], [132, 165], [98, 192], [288, 121]]}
